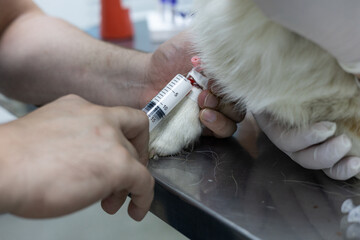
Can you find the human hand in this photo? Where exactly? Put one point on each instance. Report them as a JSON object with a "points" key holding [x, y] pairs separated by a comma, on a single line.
{"points": [[70, 154], [219, 119], [170, 58], [314, 147], [173, 57]]}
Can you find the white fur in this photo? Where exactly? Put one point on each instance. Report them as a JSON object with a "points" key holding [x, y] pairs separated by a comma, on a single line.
{"points": [[269, 68], [179, 129]]}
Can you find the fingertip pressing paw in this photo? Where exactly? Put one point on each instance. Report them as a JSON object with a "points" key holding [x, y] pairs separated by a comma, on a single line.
{"points": [[208, 100], [219, 125], [219, 119]]}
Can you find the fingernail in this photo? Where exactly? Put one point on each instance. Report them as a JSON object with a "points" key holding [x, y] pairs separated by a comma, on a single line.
{"points": [[211, 101], [346, 141], [355, 164], [137, 214], [323, 130], [327, 126], [208, 116]]}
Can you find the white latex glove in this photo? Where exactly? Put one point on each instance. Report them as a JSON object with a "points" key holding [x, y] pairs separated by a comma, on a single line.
{"points": [[314, 147]]}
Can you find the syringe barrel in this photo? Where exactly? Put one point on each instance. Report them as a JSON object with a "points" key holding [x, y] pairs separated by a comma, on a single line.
{"points": [[167, 99]]}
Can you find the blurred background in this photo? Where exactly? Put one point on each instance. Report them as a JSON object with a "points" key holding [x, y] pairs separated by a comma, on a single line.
{"points": [[85, 14], [90, 223]]}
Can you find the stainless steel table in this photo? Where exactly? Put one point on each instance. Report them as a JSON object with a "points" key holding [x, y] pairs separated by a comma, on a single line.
{"points": [[248, 189]]}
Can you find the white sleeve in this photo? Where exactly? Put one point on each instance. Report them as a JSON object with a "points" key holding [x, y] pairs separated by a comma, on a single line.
{"points": [[332, 24]]}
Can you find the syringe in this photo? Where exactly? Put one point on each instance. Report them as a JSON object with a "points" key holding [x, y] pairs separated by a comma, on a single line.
{"points": [[175, 91], [167, 99]]}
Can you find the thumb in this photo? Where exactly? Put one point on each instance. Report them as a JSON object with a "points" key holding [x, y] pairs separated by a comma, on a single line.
{"points": [[134, 124]]}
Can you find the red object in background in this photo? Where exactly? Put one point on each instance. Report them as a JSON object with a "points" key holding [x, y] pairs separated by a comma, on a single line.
{"points": [[115, 20]]}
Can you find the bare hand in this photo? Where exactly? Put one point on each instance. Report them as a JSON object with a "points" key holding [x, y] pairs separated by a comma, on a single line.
{"points": [[70, 154], [220, 119], [314, 147]]}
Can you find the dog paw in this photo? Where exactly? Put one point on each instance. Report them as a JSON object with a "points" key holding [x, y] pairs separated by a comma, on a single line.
{"points": [[180, 129]]}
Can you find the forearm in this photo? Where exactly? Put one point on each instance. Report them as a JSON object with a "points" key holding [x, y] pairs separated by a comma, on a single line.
{"points": [[42, 58]]}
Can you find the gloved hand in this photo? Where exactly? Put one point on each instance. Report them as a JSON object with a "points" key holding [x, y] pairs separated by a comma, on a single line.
{"points": [[314, 147]]}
